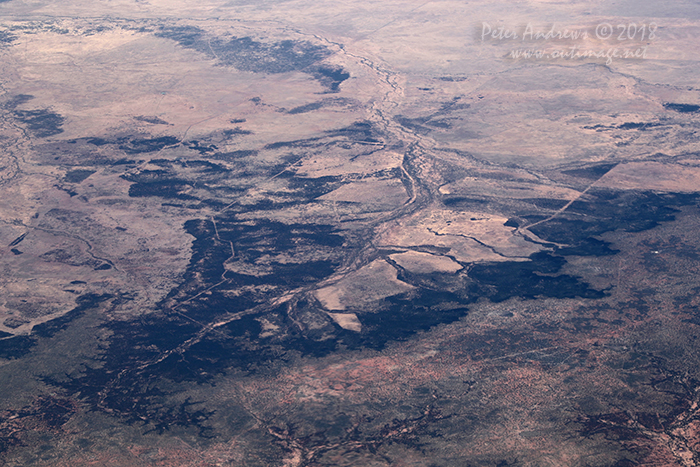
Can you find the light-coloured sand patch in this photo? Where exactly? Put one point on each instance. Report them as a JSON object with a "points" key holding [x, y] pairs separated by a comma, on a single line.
{"points": [[373, 282], [463, 249], [347, 321], [503, 189], [330, 297], [373, 192], [335, 162], [652, 176], [425, 263], [268, 328], [487, 229], [470, 236]]}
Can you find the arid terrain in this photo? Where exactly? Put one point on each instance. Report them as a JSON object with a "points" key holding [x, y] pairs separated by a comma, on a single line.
{"points": [[305, 234]]}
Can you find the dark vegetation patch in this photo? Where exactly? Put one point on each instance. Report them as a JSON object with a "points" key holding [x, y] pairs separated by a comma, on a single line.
{"points": [[5, 36], [198, 166], [16, 347], [202, 149], [593, 172], [80, 154], [598, 127], [138, 146], [608, 210], [454, 201], [414, 124], [293, 144], [78, 175], [442, 123], [139, 399], [171, 189], [423, 125], [311, 188], [637, 125], [84, 302], [135, 145], [359, 131], [141, 394], [236, 132], [67, 190], [52, 412], [234, 155], [330, 77], [72, 257], [588, 247], [547, 203], [307, 108], [247, 54], [175, 177], [147, 176], [152, 120], [624, 126], [532, 279], [162, 162], [402, 316], [18, 100], [48, 413], [134, 353], [451, 106], [98, 141], [203, 166], [439, 119], [239, 344], [41, 122], [123, 161], [186, 36], [451, 79], [682, 108], [18, 240], [13, 322]]}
